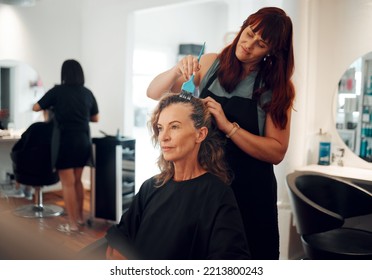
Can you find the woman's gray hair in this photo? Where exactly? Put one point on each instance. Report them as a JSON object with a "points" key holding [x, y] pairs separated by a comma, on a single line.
{"points": [[211, 153]]}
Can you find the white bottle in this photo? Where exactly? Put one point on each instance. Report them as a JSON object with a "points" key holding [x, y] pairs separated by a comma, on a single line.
{"points": [[11, 129]]}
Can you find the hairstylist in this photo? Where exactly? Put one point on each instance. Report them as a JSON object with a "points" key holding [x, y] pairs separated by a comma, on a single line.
{"points": [[74, 106], [248, 89]]}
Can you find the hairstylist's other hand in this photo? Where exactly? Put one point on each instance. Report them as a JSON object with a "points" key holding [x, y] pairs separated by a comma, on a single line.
{"points": [[216, 110], [187, 66]]}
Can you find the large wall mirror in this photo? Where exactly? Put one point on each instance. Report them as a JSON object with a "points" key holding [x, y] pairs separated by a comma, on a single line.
{"points": [[20, 88], [354, 107]]}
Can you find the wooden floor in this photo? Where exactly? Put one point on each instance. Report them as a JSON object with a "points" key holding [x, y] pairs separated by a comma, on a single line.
{"points": [[38, 238]]}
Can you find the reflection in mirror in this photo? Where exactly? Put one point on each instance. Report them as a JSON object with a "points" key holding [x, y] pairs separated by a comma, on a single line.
{"points": [[354, 107], [20, 88]]}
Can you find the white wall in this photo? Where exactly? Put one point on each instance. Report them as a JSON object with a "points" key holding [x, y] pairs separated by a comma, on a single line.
{"points": [[108, 45], [42, 36], [339, 34]]}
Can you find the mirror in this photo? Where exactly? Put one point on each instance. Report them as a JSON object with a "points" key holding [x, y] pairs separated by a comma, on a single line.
{"points": [[354, 107], [20, 88]]}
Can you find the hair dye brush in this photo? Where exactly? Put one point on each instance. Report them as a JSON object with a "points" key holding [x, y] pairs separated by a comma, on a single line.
{"points": [[188, 87]]}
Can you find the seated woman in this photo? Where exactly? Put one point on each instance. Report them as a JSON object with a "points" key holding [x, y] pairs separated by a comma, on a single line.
{"points": [[188, 211]]}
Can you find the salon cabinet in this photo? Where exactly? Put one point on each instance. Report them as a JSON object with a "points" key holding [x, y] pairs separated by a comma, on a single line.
{"points": [[112, 177]]}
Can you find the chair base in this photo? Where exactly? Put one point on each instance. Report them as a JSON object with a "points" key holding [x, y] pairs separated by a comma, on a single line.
{"points": [[34, 211], [38, 209]]}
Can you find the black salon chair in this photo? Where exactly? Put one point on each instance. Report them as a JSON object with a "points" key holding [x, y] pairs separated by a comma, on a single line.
{"points": [[32, 157], [322, 206]]}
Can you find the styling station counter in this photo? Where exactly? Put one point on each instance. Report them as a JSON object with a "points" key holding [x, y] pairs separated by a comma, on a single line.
{"points": [[359, 176]]}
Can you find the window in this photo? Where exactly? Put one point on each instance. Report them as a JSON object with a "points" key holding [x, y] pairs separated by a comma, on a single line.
{"points": [[146, 65]]}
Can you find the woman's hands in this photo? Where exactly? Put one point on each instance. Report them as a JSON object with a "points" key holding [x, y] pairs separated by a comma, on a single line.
{"points": [[216, 110], [187, 66], [36, 107], [172, 79]]}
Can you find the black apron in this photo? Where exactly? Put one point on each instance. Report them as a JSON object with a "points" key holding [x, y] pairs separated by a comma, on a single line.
{"points": [[254, 182]]}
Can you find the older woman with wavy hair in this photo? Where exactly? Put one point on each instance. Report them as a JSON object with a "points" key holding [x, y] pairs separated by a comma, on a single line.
{"points": [[187, 211], [210, 156]]}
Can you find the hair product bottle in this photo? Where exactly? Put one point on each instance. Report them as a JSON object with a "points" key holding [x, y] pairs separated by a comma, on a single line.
{"points": [[324, 157]]}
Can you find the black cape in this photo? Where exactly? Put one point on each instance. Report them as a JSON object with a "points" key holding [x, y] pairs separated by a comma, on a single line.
{"points": [[34, 155], [193, 219]]}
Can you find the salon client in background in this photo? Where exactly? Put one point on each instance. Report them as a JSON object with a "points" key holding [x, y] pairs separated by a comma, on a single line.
{"points": [[248, 89], [187, 211], [74, 107]]}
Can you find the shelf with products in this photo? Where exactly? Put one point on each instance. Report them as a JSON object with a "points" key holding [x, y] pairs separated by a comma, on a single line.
{"points": [[365, 151], [348, 98], [354, 107], [347, 117]]}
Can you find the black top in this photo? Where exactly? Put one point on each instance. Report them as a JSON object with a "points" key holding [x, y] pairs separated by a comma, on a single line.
{"points": [[72, 105], [193, 219], [254, 181]]}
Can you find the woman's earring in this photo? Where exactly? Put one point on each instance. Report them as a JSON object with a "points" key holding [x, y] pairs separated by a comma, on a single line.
{"points": [[266, 57]]}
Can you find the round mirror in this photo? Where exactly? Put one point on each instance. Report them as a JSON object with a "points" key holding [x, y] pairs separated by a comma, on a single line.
{"points": [[354, 107], [20, 88]]}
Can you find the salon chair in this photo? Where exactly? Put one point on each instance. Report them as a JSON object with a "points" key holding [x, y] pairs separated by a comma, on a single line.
{"points": [[324, 209], [33, 157]]}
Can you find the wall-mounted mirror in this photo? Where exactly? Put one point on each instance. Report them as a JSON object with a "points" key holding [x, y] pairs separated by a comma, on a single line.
{"points": [[20, 88], [354, 107]]}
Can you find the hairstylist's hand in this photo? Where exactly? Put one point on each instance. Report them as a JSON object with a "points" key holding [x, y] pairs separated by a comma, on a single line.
{"points": [[216, 110], [187, 66]]}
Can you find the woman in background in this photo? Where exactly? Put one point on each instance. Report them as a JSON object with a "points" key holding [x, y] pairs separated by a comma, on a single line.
{"points": [[74, 107], [248, 89]]}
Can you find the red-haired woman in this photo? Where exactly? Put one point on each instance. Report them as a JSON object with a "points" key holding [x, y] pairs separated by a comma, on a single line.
{"points": [[248, 89]]}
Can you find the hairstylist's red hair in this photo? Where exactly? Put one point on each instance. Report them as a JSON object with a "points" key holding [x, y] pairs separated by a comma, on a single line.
{"points": [[275, 71]]}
